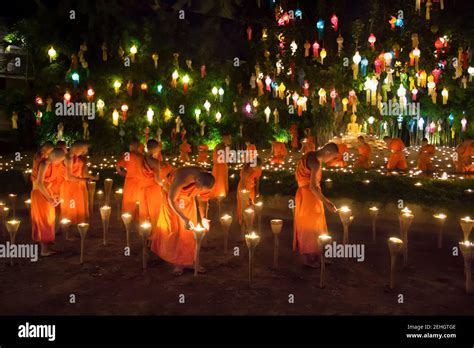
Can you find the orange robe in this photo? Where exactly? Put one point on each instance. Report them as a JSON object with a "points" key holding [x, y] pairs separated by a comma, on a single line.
{"points": [[365, 154], [397, 158], [279, 152], [252, 152], [202, 153], [339, 160], [310, 220], [220, 171], [185, 149], [171, 240], [424, 157], [150, 195], [294, 137], [247, 183], [43, 214], [464, 162], [131, 187], [34, 167], [75, 204]]}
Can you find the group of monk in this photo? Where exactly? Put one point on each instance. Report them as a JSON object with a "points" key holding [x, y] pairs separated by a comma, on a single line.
{"points": [[175, 200]]}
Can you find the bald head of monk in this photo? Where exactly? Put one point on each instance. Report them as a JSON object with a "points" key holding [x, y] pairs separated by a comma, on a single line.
{"points": [[387, 139], [153, 147], [57, 155], [205, 180], [79, 148], [134, 146], [424, 141], [46, 148], [61, 145], [361, 139], [325, 154]]}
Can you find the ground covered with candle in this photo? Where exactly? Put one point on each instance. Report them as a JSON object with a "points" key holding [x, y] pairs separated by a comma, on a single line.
{"points": [[111, 283]]}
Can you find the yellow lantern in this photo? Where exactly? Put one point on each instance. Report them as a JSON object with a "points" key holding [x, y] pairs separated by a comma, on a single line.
{"points": [[445, 95], [345, 101], [117, 85], [323, 55], [167, 114], [149, 114], [115, 117], [133, 51], [52, 54]]}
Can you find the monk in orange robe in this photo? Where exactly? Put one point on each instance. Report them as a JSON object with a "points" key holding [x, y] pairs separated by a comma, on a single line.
{"points": [[184, 149], [425, 154], [173, 239], [220, 169], [44, 201], [249, 180], [251, 150], [39, 156], [463, 157], [294, 137], [279, 152], [203, 155], [310, 220], [130, 166], [150, 184], [308, 143], [74, 197], [397, 158], [340, 160], [365, 154]]}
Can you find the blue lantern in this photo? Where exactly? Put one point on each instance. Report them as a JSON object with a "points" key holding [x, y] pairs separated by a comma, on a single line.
{"points": [[320, 26]]}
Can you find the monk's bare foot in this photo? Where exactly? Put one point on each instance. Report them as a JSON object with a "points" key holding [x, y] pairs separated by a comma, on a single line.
{"points": [[178, 271]]}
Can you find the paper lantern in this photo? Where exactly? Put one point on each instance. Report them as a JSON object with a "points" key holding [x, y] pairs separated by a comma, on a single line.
{"points": [[334, 22], [149, 115], [144, 87], [100, 107], [207, 105], [322, 96], [117, 85], [115, 117], [124, 109], [174, 78], [372, 40], [218, 117], [52, 54], [345, 101], [323, 55], [438, 44], [167, 114], [67, 97], [197, 113], [445, 95], [133, 51], [316, 49], [463, 124], [221, 94], [267, 112], [39, 101], [185, 83], [414, 93], [320, 27]]}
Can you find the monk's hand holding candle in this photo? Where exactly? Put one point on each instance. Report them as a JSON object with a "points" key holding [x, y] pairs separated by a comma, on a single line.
{"points": [[188, 224], [206, 223], [330, 206]]}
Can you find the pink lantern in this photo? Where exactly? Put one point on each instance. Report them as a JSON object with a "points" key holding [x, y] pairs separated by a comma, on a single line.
{"points": [[316, 49], [372, 40], [124, 111], [334, 21]]}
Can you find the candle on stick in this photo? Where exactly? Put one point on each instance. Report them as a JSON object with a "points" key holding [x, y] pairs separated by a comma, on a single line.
{"points": [[91, 193], [226, 221], [374, 212], [345, 214], [276, 225], [252, 240], [105, 217], [118, 202], [108, 190], [405, 222], [127, 221], [249, 215], [199, 234], [28, 205], [323, 240], [100, 197], [4, 211], [65, 223], [12, 228], [145, 231], [467, 251], [395, 245], [328, 183], [466, 225], [83, 227], [440, 220], [220, 198], [12, 199], [258, 209]]}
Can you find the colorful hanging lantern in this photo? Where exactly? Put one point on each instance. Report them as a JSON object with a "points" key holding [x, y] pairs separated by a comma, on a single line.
{"points": [[117, 85], [345, 101], [372, 40], [149, 115], [320, 27], [133, 51], [124, 109], [334, 22], [52, 54], [185, 84], [67, 97], [174, 78], [100, 107], [323, 55], [445, 95], [115, 118]]}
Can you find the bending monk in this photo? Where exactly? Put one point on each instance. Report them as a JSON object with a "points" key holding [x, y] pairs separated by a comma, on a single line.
{"points": [[173, 238], [424, 156], [279, 152], [150, 193], [75, 201], [463, 157], [365, 154], [184, 149], [249, 180], [220, 169], [340, 160], [310, 220], [397, 158], [251, 150], [130, 166], [44, 201]]}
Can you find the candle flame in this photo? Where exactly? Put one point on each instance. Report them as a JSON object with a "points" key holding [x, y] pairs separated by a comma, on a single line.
{"points": [[467, 219], [440, 216], [65, 221], [374, 208], [344, 209], [395, 240]]}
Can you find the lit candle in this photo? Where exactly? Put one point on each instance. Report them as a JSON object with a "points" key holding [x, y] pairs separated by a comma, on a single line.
{"points": [[83, 227], [127, 221], [466, 225], [108, 190], [65, 223], [12, 228], [145, 231], [405, 222], [440, 220], [226, 221], [345, 214], [12, 198], [199, 234], [395, 245], [249, 215], [252, 240], [105, 217], [276, 225], [323, 240], [258, 208], [374, 212], [467, 251]]}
